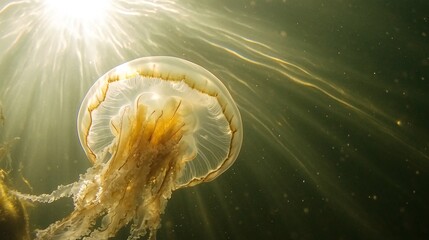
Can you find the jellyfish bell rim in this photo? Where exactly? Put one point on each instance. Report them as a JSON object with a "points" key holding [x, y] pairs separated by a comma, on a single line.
{"points": [[166, 68]]}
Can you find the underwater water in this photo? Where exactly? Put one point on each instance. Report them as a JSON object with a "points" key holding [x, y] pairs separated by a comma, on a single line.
{"points": [[332, 96]]}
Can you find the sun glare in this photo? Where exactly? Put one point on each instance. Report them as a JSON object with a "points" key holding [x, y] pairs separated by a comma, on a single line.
{"points": [[69, 13]]}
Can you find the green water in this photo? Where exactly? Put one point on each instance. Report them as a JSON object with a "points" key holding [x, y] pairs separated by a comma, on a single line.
{"points": [[333, 96]]}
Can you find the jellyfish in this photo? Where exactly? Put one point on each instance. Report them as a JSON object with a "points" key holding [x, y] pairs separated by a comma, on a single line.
{"points": [[150, 126], [13, 214]]}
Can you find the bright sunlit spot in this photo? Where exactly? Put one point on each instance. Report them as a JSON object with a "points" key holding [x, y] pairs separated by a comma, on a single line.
{"points": [[68, 14], [79, 10]]}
